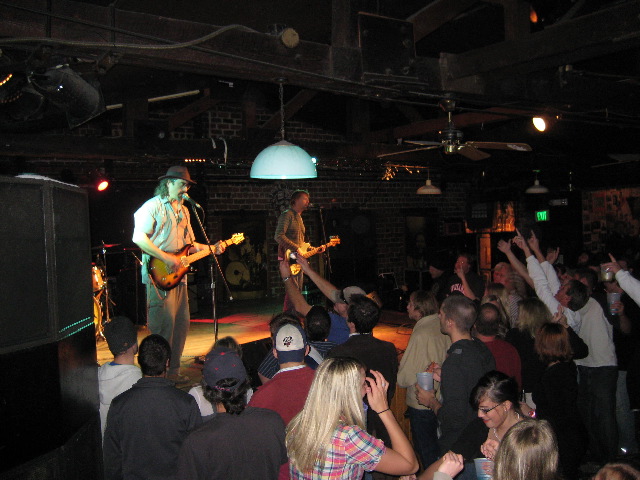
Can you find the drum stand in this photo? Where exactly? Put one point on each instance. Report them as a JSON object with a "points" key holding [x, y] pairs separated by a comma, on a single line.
{"points": [[103, 313]]}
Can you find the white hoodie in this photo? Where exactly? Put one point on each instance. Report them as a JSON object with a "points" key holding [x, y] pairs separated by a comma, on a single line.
{"points": [[113, 379]]}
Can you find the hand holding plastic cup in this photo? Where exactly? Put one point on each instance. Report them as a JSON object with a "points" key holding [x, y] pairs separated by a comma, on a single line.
{"points": [[425, 380], [484, 468], [613, 297]]}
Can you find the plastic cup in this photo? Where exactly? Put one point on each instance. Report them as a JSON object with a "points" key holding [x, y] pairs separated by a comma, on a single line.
{"points": [[613, 297], [483, 465], [606, 274], [425, 380]]}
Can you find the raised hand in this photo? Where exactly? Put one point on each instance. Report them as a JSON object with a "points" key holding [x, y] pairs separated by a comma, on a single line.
{"points": [[519, 240], [303, 262], [533, 242], [613, 265], [377, 391], [559, 316], [504, 246]]}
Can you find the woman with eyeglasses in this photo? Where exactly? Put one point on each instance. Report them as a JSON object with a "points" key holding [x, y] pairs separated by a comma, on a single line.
{"points": [[495, 397], [556, 396]]}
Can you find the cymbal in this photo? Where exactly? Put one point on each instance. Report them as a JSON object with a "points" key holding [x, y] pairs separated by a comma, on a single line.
{"points": [[106, 245]]}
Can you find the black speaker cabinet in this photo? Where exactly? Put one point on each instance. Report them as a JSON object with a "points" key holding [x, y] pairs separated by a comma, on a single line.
{"points": [[48, 387], [353, 262]]}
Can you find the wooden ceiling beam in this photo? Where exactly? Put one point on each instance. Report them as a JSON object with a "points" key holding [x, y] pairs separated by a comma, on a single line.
{"points": [[290, 109], [434, 15], [190, 111], [612, 29]]}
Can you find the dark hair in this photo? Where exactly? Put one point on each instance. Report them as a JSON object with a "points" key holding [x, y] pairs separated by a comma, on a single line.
{"points": [[282, 319], [424, 302], [162, 189], [317, 324], [461, 310], [153, 355], [470, 257], [498, 387], [229, 393], [363, 313], [488, 321], [589, 275], [296, 195], [230, 343], [578, 293], [552, 343]]}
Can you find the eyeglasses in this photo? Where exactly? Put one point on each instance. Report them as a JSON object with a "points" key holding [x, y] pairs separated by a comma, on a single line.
{"points": [[183, 184], [487, 410]]}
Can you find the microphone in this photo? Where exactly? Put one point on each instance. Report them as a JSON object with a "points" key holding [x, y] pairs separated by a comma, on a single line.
{"points": [[191, 201], [311, 205]]}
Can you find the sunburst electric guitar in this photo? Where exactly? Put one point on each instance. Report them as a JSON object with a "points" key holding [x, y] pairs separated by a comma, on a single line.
{"points": [[310, 251], [165, 278]]}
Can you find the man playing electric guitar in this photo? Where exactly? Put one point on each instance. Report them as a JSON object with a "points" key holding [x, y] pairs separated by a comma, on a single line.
{"points": [[163, 227], [290, 236]]}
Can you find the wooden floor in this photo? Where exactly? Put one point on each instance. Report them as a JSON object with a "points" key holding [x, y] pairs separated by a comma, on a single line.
{"points": [[247, 321]]}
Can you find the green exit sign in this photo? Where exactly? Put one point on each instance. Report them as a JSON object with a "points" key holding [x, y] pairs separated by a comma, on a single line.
{"points": [[542, 216]]}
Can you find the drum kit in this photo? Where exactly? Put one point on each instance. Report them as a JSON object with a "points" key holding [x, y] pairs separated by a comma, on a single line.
{"points": [[102, 302]]}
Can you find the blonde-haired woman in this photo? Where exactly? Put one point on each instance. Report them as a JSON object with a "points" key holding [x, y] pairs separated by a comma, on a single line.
{"points": [[328, 440], [528, 451]]}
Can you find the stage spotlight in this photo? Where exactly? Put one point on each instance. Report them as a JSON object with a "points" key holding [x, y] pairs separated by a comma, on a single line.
{"points": [[99, 180], [63, 87]]}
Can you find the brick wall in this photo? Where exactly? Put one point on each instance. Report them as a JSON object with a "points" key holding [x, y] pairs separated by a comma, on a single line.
{"points": [[386, 202]]}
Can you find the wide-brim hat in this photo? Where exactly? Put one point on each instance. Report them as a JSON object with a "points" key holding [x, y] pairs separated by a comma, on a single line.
{"points": [[178, 171]]}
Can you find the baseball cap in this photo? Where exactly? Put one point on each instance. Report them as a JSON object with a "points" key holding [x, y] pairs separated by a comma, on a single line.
{"points": [[121, 334], [223, 363], [290, 343], [344, 296]]}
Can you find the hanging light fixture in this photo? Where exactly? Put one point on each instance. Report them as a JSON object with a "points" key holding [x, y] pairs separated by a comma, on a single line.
{"points": [[283, 160], [536, 188], [428, 188]]}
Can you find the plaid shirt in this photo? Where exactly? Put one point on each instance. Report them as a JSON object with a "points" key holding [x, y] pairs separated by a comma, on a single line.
{"points": [[352, 452]]}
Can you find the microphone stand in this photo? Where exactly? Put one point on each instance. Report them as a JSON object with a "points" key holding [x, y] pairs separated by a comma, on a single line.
{"points": [[212, 275], [327, 258]]}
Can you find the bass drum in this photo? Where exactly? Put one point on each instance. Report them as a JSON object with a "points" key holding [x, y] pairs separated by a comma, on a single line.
{"points": [[97, 317]]}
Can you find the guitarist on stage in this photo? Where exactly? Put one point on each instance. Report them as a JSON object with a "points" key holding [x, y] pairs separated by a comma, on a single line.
{"points": [[290, 235], [163, 227]]}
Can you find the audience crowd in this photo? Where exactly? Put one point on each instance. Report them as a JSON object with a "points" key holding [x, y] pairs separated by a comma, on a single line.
{"points": [[532, 374]]}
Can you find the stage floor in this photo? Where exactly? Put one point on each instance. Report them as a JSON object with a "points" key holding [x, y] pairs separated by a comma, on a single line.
{"points": [[248, 321]]}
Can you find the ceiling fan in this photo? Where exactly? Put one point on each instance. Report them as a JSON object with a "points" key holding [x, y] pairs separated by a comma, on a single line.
{"points": [[451, 141]]}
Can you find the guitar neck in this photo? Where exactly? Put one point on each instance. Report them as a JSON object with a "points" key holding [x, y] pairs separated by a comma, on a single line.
{"points": [[315, 250], [194, 257]]}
